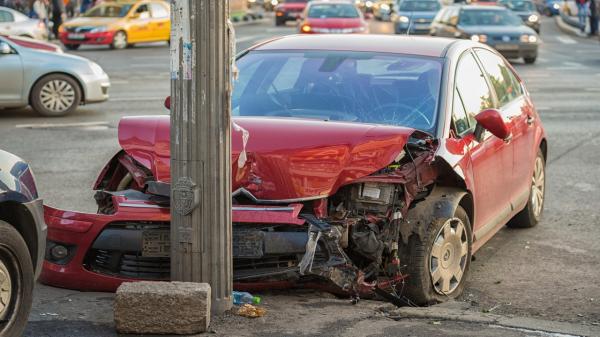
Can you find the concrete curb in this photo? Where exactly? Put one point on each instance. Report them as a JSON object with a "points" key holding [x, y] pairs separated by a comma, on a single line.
{"points": [[567, 28], [469, 316]]}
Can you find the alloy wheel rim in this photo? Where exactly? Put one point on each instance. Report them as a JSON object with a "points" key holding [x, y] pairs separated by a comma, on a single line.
{"points": [[448, 258], [57, 95], [5, 289], [120, 40], [538, 187]]}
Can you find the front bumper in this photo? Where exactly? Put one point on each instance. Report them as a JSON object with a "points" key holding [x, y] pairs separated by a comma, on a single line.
{"points": [[104, 38], [288, 15], [514, 51], [36, 209], [96, 88], [415, 29]]}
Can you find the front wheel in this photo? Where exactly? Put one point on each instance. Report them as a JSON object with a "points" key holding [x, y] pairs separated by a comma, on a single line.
{"points": [[438, 263], [55, 95], [16, 282], [119, 40], [530, 60], [531, 214], [71, 46]]}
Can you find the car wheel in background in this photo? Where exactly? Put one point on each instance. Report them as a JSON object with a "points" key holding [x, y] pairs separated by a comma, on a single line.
{"points": [[530, 60], [16, 282], [439, 261], [531, 214], [119, 40], [279, 22], [55, 95], [72, 46]]}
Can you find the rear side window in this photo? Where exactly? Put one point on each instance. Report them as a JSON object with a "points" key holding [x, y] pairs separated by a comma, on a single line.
{"points": [[159, 11], [505, 84], [472, 87], [459, 115], [6, 16]]}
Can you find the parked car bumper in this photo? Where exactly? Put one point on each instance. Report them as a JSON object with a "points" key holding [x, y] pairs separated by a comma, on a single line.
{"points": [[96, 88], [36, 209]]}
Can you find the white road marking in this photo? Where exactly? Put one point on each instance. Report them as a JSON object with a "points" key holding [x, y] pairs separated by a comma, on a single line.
{"points": [[543, 108], [573, 64], [592, 89], [566, 40], [119, 82], [136, 99], [62, 125], [246, 39]]}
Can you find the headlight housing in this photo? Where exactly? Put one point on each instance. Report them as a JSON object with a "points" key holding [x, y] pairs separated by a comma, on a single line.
{"points": [[556, 6], [403, 19], [385, 7], [100, 29], [529, 38], [96, 69], [479, 38], [533, 18]]}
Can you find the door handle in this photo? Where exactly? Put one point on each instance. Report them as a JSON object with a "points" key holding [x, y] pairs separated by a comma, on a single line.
{"points": [[530, 120]]}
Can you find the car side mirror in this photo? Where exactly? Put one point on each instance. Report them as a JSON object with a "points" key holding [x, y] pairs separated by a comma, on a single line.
{"points": [[5, 48], [491, 120], [168, 103]]}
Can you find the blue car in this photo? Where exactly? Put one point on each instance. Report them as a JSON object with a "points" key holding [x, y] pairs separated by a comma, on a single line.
{"points": [[415, 16], [22, 242], [548, 7]]}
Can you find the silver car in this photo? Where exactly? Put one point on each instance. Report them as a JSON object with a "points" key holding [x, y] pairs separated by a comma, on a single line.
{"points": [[16, 23], [54, 84]]}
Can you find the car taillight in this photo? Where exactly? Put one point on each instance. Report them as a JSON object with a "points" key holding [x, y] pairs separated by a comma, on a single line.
{"points": [[279, 13], [305, 28]]}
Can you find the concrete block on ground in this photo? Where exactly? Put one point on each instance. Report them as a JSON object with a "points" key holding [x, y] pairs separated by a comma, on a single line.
{"points": [[181, 308]]}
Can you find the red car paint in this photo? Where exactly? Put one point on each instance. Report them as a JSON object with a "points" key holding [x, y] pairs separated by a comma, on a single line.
{"points": [[305, 158], [103, 38], [332, 25], [290, 10]]}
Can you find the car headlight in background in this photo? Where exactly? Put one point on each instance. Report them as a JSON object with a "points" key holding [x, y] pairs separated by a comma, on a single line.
{"points": [[556, 6], [403, 19], [533, 18], [529, 39], [385, 7], [274, 2], [479, 38], [369, 4], [96, 69], [101, 29]]}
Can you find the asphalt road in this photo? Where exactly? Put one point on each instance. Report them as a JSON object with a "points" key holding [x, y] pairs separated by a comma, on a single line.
{"points": [[543, 276]]}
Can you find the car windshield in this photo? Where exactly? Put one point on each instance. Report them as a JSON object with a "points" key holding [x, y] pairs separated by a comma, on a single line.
{"points": [[362, 87], [419, 6], [519, 6], [108, 11], [490, 17], [333, 11]]}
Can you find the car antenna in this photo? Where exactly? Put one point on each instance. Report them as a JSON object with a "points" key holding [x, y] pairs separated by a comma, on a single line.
{"points": [[410, 21]]}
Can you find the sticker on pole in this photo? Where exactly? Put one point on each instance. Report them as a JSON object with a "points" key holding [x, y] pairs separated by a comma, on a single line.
{"points": [[185, 196]]}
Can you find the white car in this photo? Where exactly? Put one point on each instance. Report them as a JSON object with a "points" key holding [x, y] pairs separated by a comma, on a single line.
{"points": [[53, 83], [17, 24]]}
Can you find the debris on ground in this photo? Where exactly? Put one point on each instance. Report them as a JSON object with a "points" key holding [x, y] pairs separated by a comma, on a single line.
{"points": [[251, 311]]}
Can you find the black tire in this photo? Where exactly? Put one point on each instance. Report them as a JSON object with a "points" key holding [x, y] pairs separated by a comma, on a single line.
{"points": [[530, 60], [72, 46], [547, 12], [37, 101], [417, 256], [117, 43], [14, 255], [279, 22], [527, 217]]}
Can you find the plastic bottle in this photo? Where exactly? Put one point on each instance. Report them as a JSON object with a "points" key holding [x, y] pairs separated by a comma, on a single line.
{"points": [[240, 298]]}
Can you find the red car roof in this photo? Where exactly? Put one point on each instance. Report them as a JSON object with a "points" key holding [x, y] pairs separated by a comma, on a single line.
{"points": [[413, 45]]}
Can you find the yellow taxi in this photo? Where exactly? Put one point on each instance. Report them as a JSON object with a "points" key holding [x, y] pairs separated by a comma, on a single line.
{"points": [[119, 24]]}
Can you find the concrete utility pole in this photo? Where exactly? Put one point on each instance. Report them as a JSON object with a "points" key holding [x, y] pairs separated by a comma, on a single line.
{"points": [[201, 63]]}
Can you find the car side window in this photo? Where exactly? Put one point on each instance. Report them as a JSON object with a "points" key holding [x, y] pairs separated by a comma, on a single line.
{"points": [[459, 115], [159, 11], [6, 16], [143, 12], [472, 86], [504, 82]]}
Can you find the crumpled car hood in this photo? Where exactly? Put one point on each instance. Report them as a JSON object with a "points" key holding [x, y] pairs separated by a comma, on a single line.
{"points": [[285, 159]]}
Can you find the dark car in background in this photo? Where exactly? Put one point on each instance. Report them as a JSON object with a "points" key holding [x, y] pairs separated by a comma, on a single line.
{"points": [[22, 242], [289, 10], [415, 16], [493, 25], [526, 10], [548, 7]]}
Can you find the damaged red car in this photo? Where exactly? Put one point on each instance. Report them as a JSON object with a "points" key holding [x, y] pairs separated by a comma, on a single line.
{"points": [[358, 163]]}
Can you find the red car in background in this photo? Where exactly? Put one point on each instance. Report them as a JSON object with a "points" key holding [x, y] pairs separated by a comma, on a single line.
{"points": [[334, 17], [358, 161], [289, 10]]}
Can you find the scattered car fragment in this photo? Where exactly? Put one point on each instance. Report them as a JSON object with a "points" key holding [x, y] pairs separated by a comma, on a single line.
{"points": [[357, 162]]}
